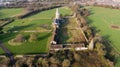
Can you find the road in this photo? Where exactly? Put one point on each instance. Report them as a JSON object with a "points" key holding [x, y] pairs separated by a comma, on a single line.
{"points": [[8, 53]]}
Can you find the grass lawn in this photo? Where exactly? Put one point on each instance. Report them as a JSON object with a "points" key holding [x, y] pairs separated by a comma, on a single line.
{"points": [[39, 46], [25, 24], [49, 14], [1, 51], [102, 19], [32, 23], [9, 12]]}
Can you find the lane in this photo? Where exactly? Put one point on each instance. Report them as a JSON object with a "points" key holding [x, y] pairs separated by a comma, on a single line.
{"points": [[8, 53]]}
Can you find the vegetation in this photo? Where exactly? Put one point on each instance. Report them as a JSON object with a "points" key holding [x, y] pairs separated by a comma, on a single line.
{"points": [[65, 59], [4, 62], [34, 22], [39, 24], [19, 39], [33, 34], [27, 47], [8, 12], [102, 19], [1, 51], [33, 37]]}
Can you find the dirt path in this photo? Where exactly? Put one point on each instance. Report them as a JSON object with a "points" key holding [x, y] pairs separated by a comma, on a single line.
{"points": [[8, 53]]}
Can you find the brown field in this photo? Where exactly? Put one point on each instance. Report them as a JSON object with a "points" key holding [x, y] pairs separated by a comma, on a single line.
{"points": [[72, 32]]}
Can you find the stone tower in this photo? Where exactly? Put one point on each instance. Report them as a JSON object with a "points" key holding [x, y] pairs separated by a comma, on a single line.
{"points": [[91, 45]]}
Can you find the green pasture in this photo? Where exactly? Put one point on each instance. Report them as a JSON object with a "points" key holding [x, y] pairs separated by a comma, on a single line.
{"points": [[9, 12], [102, 19], [49, 14], [38, 21], [35, 21], [39, 46], [1, 51]]}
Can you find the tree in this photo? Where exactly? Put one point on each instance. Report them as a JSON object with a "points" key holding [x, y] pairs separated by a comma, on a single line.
{"points": [[21, 63], [100, 48], [33, 37], [29, 61], [45, 62], [76, 56], [66, 63], [53, 60], [76, 64]]}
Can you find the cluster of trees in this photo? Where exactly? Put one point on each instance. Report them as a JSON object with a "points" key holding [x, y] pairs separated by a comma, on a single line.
{"points": [[63, 58], [109, 6], [4, 62], [19, 39]]}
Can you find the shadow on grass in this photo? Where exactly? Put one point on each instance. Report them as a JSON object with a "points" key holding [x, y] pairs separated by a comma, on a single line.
{"points": [[105, 40], [62, 35], [45, 36], [7, 36], [89, 21], [19, 28], [107, 43]]}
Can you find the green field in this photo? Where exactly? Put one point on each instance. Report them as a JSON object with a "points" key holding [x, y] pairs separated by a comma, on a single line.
{"points": [[9, 12], [102, 19], [38, 46], [41, 21], [35, 21]]}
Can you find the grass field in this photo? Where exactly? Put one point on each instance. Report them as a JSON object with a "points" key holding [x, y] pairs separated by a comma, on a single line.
{"points": [[9, 12], [35, 22], [36, 47], [102, 19]]}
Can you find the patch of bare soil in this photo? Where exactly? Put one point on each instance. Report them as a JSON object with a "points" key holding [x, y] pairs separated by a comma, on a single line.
{"points": [[116, 27]]}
